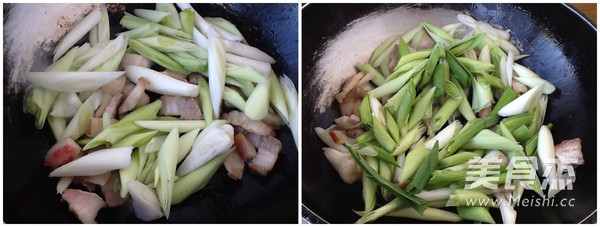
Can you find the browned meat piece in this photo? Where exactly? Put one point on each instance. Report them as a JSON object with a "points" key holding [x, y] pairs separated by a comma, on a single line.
{"points": [[129, 86], [350, 106], [114, 87], [193, 78], [568, 153], [111, 193], [353, 133], [135, 59], [103, 104], [94, 127], [84, 205], [185, 107], [483, 113], [101, 179], [111, 109], [134, 96], [256, 127], [144, 100], [234, 165], [348, 86], [268, 152], [244, 146], [254, 138], [272, 120], [348, 122]]}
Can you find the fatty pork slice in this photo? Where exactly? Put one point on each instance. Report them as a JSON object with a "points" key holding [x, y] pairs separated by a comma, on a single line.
{"points": [[84, 205], [111, 109], [62, 152], [185, 107], [272, 120], [348, 122], [234, 165], [91, 182], [112, 194], [193, 78], [256, 127], [244, 146], [135, 59], [348, 86], [569, 153], [134, 96], [103, 104], [255, 139], [114, 87], [268, 151], [100, 180]]}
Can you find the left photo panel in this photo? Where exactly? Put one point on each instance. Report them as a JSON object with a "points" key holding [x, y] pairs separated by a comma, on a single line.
{"points": [[150, 113]]}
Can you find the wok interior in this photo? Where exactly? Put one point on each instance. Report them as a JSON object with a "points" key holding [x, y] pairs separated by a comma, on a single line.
{"points": [[30, 195], [562, 50]]}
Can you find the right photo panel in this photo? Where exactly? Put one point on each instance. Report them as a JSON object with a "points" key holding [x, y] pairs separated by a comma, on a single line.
{"points": [[449, 113]]}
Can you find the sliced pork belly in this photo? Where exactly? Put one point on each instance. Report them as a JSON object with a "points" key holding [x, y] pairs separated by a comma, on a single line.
{"points": [[114, 87], [84, 205], [134, 96], [135, 59], [348, 122], [185, 107], [244, 146], [112, 194], [103, 104], [111, 109], [568, 153], [256, 127], [254, 138], [267, 156], [234, 165]]}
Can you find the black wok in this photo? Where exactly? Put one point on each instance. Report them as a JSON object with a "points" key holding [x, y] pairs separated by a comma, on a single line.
{"points": [[30, 195], [562, 44]]}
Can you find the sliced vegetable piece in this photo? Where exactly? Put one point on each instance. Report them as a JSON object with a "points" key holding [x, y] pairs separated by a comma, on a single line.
{"points": [[71, 81], [85, 25], [161, 83], [145, 203], [96, 163]]}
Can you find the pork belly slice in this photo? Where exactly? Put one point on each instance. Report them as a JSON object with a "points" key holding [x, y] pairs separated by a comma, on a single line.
{"points": [[134, 96], [84, 205], [348, 122], [111, 109], [234, 165], [135, 59], [272, 120], [256, 127], [185, 107], [103, 104], [244, 146], [114, 87], [569, 153], [112, 194], [268, 152]]}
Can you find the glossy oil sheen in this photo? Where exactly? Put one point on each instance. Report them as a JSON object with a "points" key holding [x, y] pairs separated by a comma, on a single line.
{"points": [[30, 195], [562, 44]]}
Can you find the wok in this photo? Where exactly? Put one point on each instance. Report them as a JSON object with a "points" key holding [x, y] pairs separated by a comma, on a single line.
{"points": [[562, 44], [30, 195]]}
